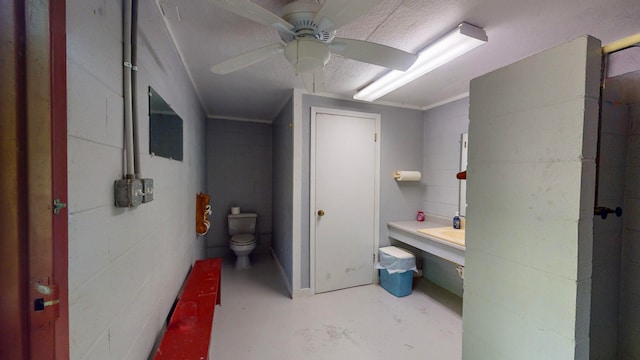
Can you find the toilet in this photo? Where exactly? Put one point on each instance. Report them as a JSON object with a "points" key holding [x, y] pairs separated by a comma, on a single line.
{"points": [[242, 241]]}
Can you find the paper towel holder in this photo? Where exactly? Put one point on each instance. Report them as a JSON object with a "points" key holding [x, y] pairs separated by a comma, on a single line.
{"points": [[406, 175]]}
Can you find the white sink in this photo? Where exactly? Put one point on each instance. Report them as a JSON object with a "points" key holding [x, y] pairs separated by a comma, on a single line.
{"points": [[446, 233]]}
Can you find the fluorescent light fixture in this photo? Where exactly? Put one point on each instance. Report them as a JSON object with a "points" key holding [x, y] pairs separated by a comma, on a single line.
{"points": [[464, 38]]}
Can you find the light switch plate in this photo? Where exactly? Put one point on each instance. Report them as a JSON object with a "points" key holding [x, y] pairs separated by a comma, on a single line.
{"points": [[147, 189]]}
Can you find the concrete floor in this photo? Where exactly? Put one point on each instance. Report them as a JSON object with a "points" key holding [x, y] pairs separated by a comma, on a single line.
{"points": [[257, 320]]}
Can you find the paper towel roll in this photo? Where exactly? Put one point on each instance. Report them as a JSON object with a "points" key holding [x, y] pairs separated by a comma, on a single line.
{"points": [[405, 175]]}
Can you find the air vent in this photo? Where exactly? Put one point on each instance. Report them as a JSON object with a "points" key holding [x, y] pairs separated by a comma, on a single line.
{"points": [[305, 24], [325, 37]]}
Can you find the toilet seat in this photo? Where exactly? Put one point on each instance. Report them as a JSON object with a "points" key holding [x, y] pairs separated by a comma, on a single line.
{"points": [[242, 239]]}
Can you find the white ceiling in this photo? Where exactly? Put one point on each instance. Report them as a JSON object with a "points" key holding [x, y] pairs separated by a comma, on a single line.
{"points": [[206, 35]]}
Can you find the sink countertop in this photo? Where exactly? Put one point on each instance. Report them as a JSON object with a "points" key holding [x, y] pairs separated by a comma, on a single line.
{"points": [[431, 221], [455, 236]]}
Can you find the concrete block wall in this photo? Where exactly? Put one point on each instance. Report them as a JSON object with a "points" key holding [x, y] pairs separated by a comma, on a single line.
{"points": [[530, 194], [630, 286], [238, 174], [125, 265]]}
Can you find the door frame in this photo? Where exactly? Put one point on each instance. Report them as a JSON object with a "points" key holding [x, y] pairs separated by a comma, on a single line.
{"points": [[46, 143], [312, 188], [14, 342]]}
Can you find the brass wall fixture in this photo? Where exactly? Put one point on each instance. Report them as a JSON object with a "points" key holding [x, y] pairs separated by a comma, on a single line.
{"points": [[203, 210]]}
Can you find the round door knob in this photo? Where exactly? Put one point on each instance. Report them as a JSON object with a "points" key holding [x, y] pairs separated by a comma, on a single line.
{"points": [[320, 212]]}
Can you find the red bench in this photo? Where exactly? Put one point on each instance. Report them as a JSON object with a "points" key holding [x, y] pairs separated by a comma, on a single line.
{"points": [[189, 329]]}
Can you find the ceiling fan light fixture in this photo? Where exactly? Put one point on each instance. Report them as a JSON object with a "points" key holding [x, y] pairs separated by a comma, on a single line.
{"points": [[464, 38], [307, 54]]}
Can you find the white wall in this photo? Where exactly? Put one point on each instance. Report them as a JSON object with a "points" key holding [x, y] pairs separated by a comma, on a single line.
{"points": [[630, 294], [530, 194], [125, 265]]}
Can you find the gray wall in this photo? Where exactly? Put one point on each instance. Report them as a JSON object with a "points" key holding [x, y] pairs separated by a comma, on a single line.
{"points": [[607, 234], [630, 294], [125, 265], [238, 174], [400, 149], [443, 127], [282, 243]]}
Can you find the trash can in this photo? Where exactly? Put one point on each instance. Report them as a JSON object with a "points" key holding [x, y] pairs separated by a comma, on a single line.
{"points": [[396, 270]]}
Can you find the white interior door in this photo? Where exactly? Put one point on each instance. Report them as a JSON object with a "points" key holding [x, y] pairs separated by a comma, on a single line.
{"points": [[344, 199]]}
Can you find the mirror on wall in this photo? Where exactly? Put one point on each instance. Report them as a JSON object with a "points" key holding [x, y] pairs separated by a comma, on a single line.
{"points": [[464, 146], [165, 128]]}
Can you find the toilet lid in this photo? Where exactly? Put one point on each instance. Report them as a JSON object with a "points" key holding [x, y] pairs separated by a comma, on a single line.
{"points": [[242, 239]]}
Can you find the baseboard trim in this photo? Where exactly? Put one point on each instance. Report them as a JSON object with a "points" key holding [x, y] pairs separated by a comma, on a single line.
{"points": [[223, 252], [283, 275], [302, 293]]}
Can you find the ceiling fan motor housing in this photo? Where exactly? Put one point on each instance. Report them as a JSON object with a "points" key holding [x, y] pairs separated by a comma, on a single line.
{"points": [[307, 54], [301, 14]]}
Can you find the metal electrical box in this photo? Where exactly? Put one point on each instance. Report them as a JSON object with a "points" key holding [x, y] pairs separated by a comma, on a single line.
{"points": [[128, 192]]}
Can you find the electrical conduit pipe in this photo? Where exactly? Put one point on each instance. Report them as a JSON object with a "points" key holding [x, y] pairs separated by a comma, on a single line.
{"points": [[128, 101]]}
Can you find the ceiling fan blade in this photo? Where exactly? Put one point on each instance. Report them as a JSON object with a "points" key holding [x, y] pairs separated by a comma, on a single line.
{"points": [[246, 59], [373, 53], [335, 13], [313, 81], [252, 11]]}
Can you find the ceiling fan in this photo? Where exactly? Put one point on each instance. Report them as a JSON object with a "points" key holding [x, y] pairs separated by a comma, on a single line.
{"points": [[307, 30]]}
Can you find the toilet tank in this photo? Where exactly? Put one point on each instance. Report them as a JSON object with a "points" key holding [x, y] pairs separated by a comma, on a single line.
{"points": [[242, 223]]}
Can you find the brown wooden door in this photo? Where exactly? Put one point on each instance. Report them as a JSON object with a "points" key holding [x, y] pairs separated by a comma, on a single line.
{"points": [[33, 250]]}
